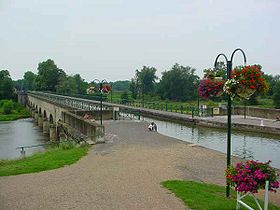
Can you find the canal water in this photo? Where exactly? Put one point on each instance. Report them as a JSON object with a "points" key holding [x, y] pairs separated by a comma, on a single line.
{"points": [[247, 145], [19, 133]]}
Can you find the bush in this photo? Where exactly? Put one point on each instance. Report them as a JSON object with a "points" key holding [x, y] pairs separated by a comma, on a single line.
{"points": [[276, 95], [65, 145], [7, 107]]}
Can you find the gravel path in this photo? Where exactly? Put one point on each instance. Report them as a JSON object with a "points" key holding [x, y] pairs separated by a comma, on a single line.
{"points": [[124, 173]]}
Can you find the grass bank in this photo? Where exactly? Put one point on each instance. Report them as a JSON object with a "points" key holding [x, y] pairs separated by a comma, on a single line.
{"points": [[43, 161], [207, 196]]}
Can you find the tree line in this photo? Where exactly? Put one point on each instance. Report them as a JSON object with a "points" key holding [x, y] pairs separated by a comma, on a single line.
{"points": [[179, 83]]}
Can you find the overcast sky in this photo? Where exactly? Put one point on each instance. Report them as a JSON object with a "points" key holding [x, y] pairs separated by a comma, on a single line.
{"points": [[110, 39]]}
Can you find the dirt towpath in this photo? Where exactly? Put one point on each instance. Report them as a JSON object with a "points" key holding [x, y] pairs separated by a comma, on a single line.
{"points": [[124, 173]]}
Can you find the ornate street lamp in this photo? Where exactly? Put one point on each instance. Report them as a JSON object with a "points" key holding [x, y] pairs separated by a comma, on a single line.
{"points": [[229, 68], [100, 83]]}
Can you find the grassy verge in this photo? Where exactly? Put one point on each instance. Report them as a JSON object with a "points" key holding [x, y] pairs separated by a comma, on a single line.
{"points": [[10, 117], [206, 196], [51, 159]]}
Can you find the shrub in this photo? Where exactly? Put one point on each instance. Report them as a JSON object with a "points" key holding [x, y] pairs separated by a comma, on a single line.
{"points": [[7, 107], [65, 145]]}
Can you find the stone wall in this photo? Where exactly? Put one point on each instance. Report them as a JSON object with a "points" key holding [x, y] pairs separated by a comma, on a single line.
{"points": [[253, 112], [92, 130]]}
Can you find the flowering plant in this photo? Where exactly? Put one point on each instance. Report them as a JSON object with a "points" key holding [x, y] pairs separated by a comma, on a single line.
{"points": [[91, 90], [250, 79], [210, 88], [230, 87], [105, 88], [251, 176]]}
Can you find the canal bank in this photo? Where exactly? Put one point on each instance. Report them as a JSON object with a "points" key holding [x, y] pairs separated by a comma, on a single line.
{"points": [[250, 124]]}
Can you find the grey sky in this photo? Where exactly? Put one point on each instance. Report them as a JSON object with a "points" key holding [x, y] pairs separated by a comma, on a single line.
{"points": [[110, 39]]}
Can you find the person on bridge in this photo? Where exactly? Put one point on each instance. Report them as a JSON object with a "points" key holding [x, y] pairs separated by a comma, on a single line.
{"points": [[86, 116]]}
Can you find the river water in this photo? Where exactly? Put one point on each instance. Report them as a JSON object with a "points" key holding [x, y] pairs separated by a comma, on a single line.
{"points": [[19, 133], [247, 145]]}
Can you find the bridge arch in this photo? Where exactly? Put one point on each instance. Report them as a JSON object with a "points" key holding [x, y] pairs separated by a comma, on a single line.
{"points": [[51, 119], [45, 115]]}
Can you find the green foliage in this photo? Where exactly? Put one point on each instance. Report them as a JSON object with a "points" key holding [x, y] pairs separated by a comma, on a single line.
{"points": [[7, 107], [253, 99], [49, 75], [29, 80], [65, 145], [67, 85], [276, 95], [207, 196], [146, 79], [6, 85], [133, 88], [51, 159], [81, 84], [178, 83], [10, 110], [124, 97], [120, 85]]}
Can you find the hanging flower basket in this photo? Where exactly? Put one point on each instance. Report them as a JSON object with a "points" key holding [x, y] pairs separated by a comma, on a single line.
{"points": [[249, 80], [244, 92], [105, 89], [210, 88], [91, 90]]}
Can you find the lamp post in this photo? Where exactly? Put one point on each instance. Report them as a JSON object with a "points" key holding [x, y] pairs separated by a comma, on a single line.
{"points": [[229, 68], [197, 83], [111, 92], [101, 98]]}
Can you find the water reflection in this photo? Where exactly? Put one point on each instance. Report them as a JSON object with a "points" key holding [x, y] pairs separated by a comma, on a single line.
{"points": [[244, 145], [18, 133]]}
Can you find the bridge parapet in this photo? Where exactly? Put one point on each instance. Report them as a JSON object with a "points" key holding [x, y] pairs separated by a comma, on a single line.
{"points": [[90, 130]]}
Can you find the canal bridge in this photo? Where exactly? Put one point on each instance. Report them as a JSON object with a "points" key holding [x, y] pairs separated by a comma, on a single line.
{"points": [[51, 110]]}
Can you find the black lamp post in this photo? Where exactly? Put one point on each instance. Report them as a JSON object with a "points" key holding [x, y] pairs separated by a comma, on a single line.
{"points": [[229, 68], [101, 97], [197, 83], [111, 92]]}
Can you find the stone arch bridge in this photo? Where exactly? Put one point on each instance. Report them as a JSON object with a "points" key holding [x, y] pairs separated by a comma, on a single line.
{"points": [[53, 112]]}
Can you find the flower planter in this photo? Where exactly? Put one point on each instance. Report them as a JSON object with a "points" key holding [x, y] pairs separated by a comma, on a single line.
{"points": [[244, 92], [247, 178]]}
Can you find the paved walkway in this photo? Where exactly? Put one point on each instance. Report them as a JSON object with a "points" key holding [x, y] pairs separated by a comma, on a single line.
{"points": [[124, 173], [239, 119]]}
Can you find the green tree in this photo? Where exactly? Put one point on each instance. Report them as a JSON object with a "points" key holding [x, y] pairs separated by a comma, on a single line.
{"points": [[29, 80], [67, 85], [271, 80], [81, 84], [133, 88], [6, 85], [49, 75], [8, 107], [146, 79], [124, 97], [276, 95], [121, 85], [178, 83]]}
